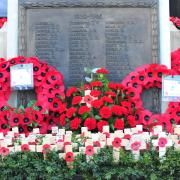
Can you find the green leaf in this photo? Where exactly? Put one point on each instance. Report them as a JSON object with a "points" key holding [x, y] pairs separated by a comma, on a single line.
{"points": [[97, 117], [35, 124], [112, 126], [85, 115], [153, 176], [36, 108], [123, 95], [21, 107], [31, 103], [5, 108]]}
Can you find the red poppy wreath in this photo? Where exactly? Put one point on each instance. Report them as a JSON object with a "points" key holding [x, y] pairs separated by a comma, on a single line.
{"points": [[145, 77], [46, 111]]}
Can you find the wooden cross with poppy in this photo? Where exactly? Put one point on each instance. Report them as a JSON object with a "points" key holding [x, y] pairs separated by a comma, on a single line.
{"points": [[117, 143], [162, 143], [135, 144]]}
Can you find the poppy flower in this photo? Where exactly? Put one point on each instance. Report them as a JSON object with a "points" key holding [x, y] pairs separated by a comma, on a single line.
{"points": [[129, 78], [88, 99], [96, 84], [102, 71], [41, 105], [119, 124], [132, 93], [50, 123], [27, 117], [14, 61], [89, 151], [110, 93], [4, 76], [131, 120], [70, 112], [119, 110], [46, 148], [71, 91], [62, 121], [54, 77], [4, 127], [105, 112], [4, 151], [146, 117], [116, 143], [25, 147], [28, 129], [127, 136], [36, 68], [107, 99], [97, 103], [100, 125], [55, 104], [135, 84], [83, 109], [15, 119], [74, 124], [96, 144], [22, 129], [4, 65], [95, 93], [2, 60], [138, 116], [165, 121], [125, 104], [21, 59], [58, 93], [76, 100], [90, 123], [37, 116], [69, 157], [112, 86], [176, 115], [43, 129], [135, 146], [162, 142]]}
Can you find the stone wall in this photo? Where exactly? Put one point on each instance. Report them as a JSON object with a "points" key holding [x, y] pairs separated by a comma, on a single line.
{"points": [[175, 38]]}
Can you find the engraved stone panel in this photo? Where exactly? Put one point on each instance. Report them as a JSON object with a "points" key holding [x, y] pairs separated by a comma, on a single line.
{"points": [[71, 39]]}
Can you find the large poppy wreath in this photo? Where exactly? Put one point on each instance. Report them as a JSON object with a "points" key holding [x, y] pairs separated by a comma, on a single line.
{"points": [[146, 77], [46, 110]]}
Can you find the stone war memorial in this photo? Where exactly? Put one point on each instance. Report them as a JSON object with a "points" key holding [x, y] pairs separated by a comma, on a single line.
{"points": [[89, 90], [117, 35]]}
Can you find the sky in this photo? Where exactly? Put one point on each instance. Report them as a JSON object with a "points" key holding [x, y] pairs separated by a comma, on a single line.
{"points": [[3, 8]]}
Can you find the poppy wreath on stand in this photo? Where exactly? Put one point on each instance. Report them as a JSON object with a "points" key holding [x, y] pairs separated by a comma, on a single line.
{"points": [[143, 78], [45, 111]]}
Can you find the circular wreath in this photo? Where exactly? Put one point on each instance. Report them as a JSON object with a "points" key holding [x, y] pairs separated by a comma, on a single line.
{"points": [[45, 111], [146, 77]]}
